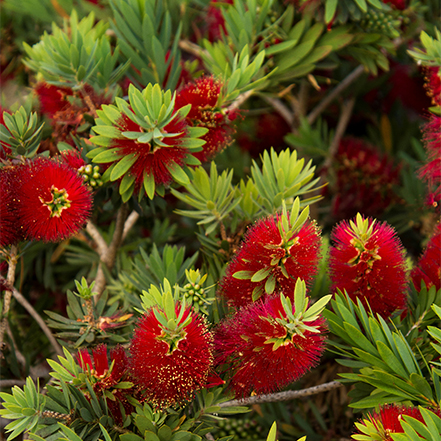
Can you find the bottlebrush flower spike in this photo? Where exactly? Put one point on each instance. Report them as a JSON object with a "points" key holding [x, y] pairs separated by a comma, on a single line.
{"points": [[429, 264], [274, 254], [272, 342], [433, 84], [112, 380], [381, 425], [52, 201], [146, 141], [10, 232], [367, 261], [171, 353], [203, 95]]}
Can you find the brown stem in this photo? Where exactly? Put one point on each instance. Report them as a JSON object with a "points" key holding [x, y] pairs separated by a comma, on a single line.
{"points": [[283, 396], [130, 222], [315, 113], [343, 122], [240, 100], [97, 238], [281, 109], [192, 48], [11, 383], [10, 279], [30, 309], [89, 103]]}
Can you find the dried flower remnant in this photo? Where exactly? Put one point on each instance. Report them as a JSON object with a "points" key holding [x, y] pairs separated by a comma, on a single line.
{"points": [[203, 95], [428, 267], [387, 421], [270, 343], [52, 201], [367, 261], [275, 252], [365, 180], [171, 355]]}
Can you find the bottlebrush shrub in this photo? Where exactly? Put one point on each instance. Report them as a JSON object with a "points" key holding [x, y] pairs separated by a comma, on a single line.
{"points": [[272, 342], [428, 267], [146, 141], [51, 200], [206, 111], [367, 261], [276, 251], [171, 353], [396, 418]]}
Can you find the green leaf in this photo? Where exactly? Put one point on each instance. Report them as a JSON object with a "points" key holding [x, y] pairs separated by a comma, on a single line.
{"points": [[261, 274], [123, 166], [330, 8]]}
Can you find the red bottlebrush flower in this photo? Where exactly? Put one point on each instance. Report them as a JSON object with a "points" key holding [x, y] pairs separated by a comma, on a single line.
{"points": [[72, 158], [52, 99], [53, 203], [367, 261], [169, 366], [431, 171], [382, 424], [105, 376], [205, 112], [433, 84], [397, 4], [214, 23], [263, 351], [267, 261], [429, 264], [10, 232], [365, 180]]}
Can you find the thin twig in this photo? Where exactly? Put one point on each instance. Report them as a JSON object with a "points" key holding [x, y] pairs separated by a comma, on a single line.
{"points": [[192, 48], [240, 100], [315, 113], [30, 309], [281, 109], [10, 279], [283, 396], [98, 239], [343, 122], [130, 222], [11, 383]]}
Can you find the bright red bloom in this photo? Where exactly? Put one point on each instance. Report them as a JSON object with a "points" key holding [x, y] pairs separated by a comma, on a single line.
{"points": [[214, 22], [388, 421], [264, 247], [429, 264], [170, 373], [369, 265], [433, 84], [152, 159], [397, 4], [52, 201], [52, 98], [106, 376], [431, 171], [259, 351], [205, 112], [72, 158], [10, 232], [365, 180]]}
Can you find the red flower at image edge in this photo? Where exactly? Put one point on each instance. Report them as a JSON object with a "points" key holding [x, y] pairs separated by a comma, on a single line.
{"points": [[429, 264], [170, 374], [153, 160], [52, 201], [388, 420], [203, 96], [10, 232], [262, 248], [242, 343], [372, 268]]}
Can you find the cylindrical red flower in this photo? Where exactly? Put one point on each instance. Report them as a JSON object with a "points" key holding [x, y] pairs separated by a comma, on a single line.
{"points": [[261, 353], [170, 373], [206, 112], [52, 201], [368, 262], [286, 261], [429, 264]]}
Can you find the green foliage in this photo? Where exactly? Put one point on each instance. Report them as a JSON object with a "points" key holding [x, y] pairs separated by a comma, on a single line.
{"points": [[78, 54], [431, 55], [21, 133], [148, 41], [380, 357]]}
